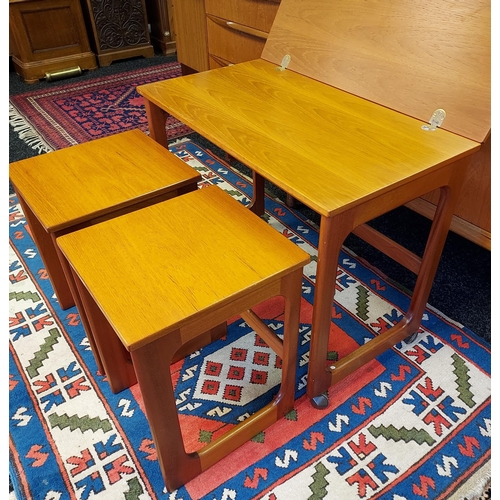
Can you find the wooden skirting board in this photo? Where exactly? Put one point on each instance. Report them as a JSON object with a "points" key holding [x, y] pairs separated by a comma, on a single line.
{"points": [[458, 225]]}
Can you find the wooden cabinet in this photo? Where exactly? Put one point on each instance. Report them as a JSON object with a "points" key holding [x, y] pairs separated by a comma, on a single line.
{"points": [[191, 35], [216, 33], [237, 30], [48, 36], [160, 17], [118, 29], [472, 218]]}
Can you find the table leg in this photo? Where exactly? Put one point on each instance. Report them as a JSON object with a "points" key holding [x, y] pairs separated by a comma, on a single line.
{"points": [[332, 233], [291, 290], [291, 201], [435, 243], [157, 118], [152, 364], [50, 258], [114, 357], [79, 305], [258, 196]]}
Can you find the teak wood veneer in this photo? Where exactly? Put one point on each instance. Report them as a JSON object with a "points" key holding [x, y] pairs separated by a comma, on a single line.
{"points": [[148, 291], [79, 186]]}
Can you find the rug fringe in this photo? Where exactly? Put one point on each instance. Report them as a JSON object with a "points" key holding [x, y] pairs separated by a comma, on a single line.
{"points": [[476, 487], [177, 141], [478, 492], [26, 132]]}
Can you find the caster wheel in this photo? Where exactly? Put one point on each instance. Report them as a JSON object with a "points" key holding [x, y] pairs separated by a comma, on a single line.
{"points": [[411, 338], [320, 402]]}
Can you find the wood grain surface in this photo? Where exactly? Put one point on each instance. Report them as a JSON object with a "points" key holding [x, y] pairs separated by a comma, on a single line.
{"points": [[327, 148], [79, 183], [155, 269], [414, 56]]}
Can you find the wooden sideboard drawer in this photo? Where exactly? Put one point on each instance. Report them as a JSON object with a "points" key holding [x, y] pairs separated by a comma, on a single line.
{"points": [[214, 33], [258, 14], [233, 42]]}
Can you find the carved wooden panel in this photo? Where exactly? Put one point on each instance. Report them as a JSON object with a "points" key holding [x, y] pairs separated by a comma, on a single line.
{"points": [[120, 29]]}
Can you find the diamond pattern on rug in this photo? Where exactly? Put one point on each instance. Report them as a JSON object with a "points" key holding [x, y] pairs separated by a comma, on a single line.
{"points": [[238, 374]]}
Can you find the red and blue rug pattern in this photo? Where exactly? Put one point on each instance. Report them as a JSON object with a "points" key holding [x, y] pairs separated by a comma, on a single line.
{"points": [[72, 113], [413, 423]]}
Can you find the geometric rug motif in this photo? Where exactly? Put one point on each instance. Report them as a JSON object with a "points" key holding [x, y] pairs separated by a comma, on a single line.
{"points": [[415, 423], [72, 113], [238, 374]]}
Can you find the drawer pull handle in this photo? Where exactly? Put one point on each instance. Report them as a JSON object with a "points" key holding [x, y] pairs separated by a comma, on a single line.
{"points": [[221, 61], [239, 27]]}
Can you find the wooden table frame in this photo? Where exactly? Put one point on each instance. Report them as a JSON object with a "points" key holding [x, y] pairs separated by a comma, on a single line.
{"points": [[139, 339], [336, 113], [333, 231]]}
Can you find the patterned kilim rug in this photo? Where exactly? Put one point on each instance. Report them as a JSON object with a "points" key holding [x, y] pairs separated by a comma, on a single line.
{"points": [[414, 423], [73, 113]]}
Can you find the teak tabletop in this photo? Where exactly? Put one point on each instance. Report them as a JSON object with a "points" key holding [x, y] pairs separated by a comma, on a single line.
{"points": [[83, 182], [277, 122], [168, 288]]}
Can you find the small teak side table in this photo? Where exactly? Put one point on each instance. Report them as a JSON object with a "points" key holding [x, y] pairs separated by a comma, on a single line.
{"points": [[354, 109], [82, 185], [147, 289]]}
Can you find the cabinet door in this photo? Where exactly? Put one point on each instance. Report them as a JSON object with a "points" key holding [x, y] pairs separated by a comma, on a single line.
{"points": [[47, 29]]}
